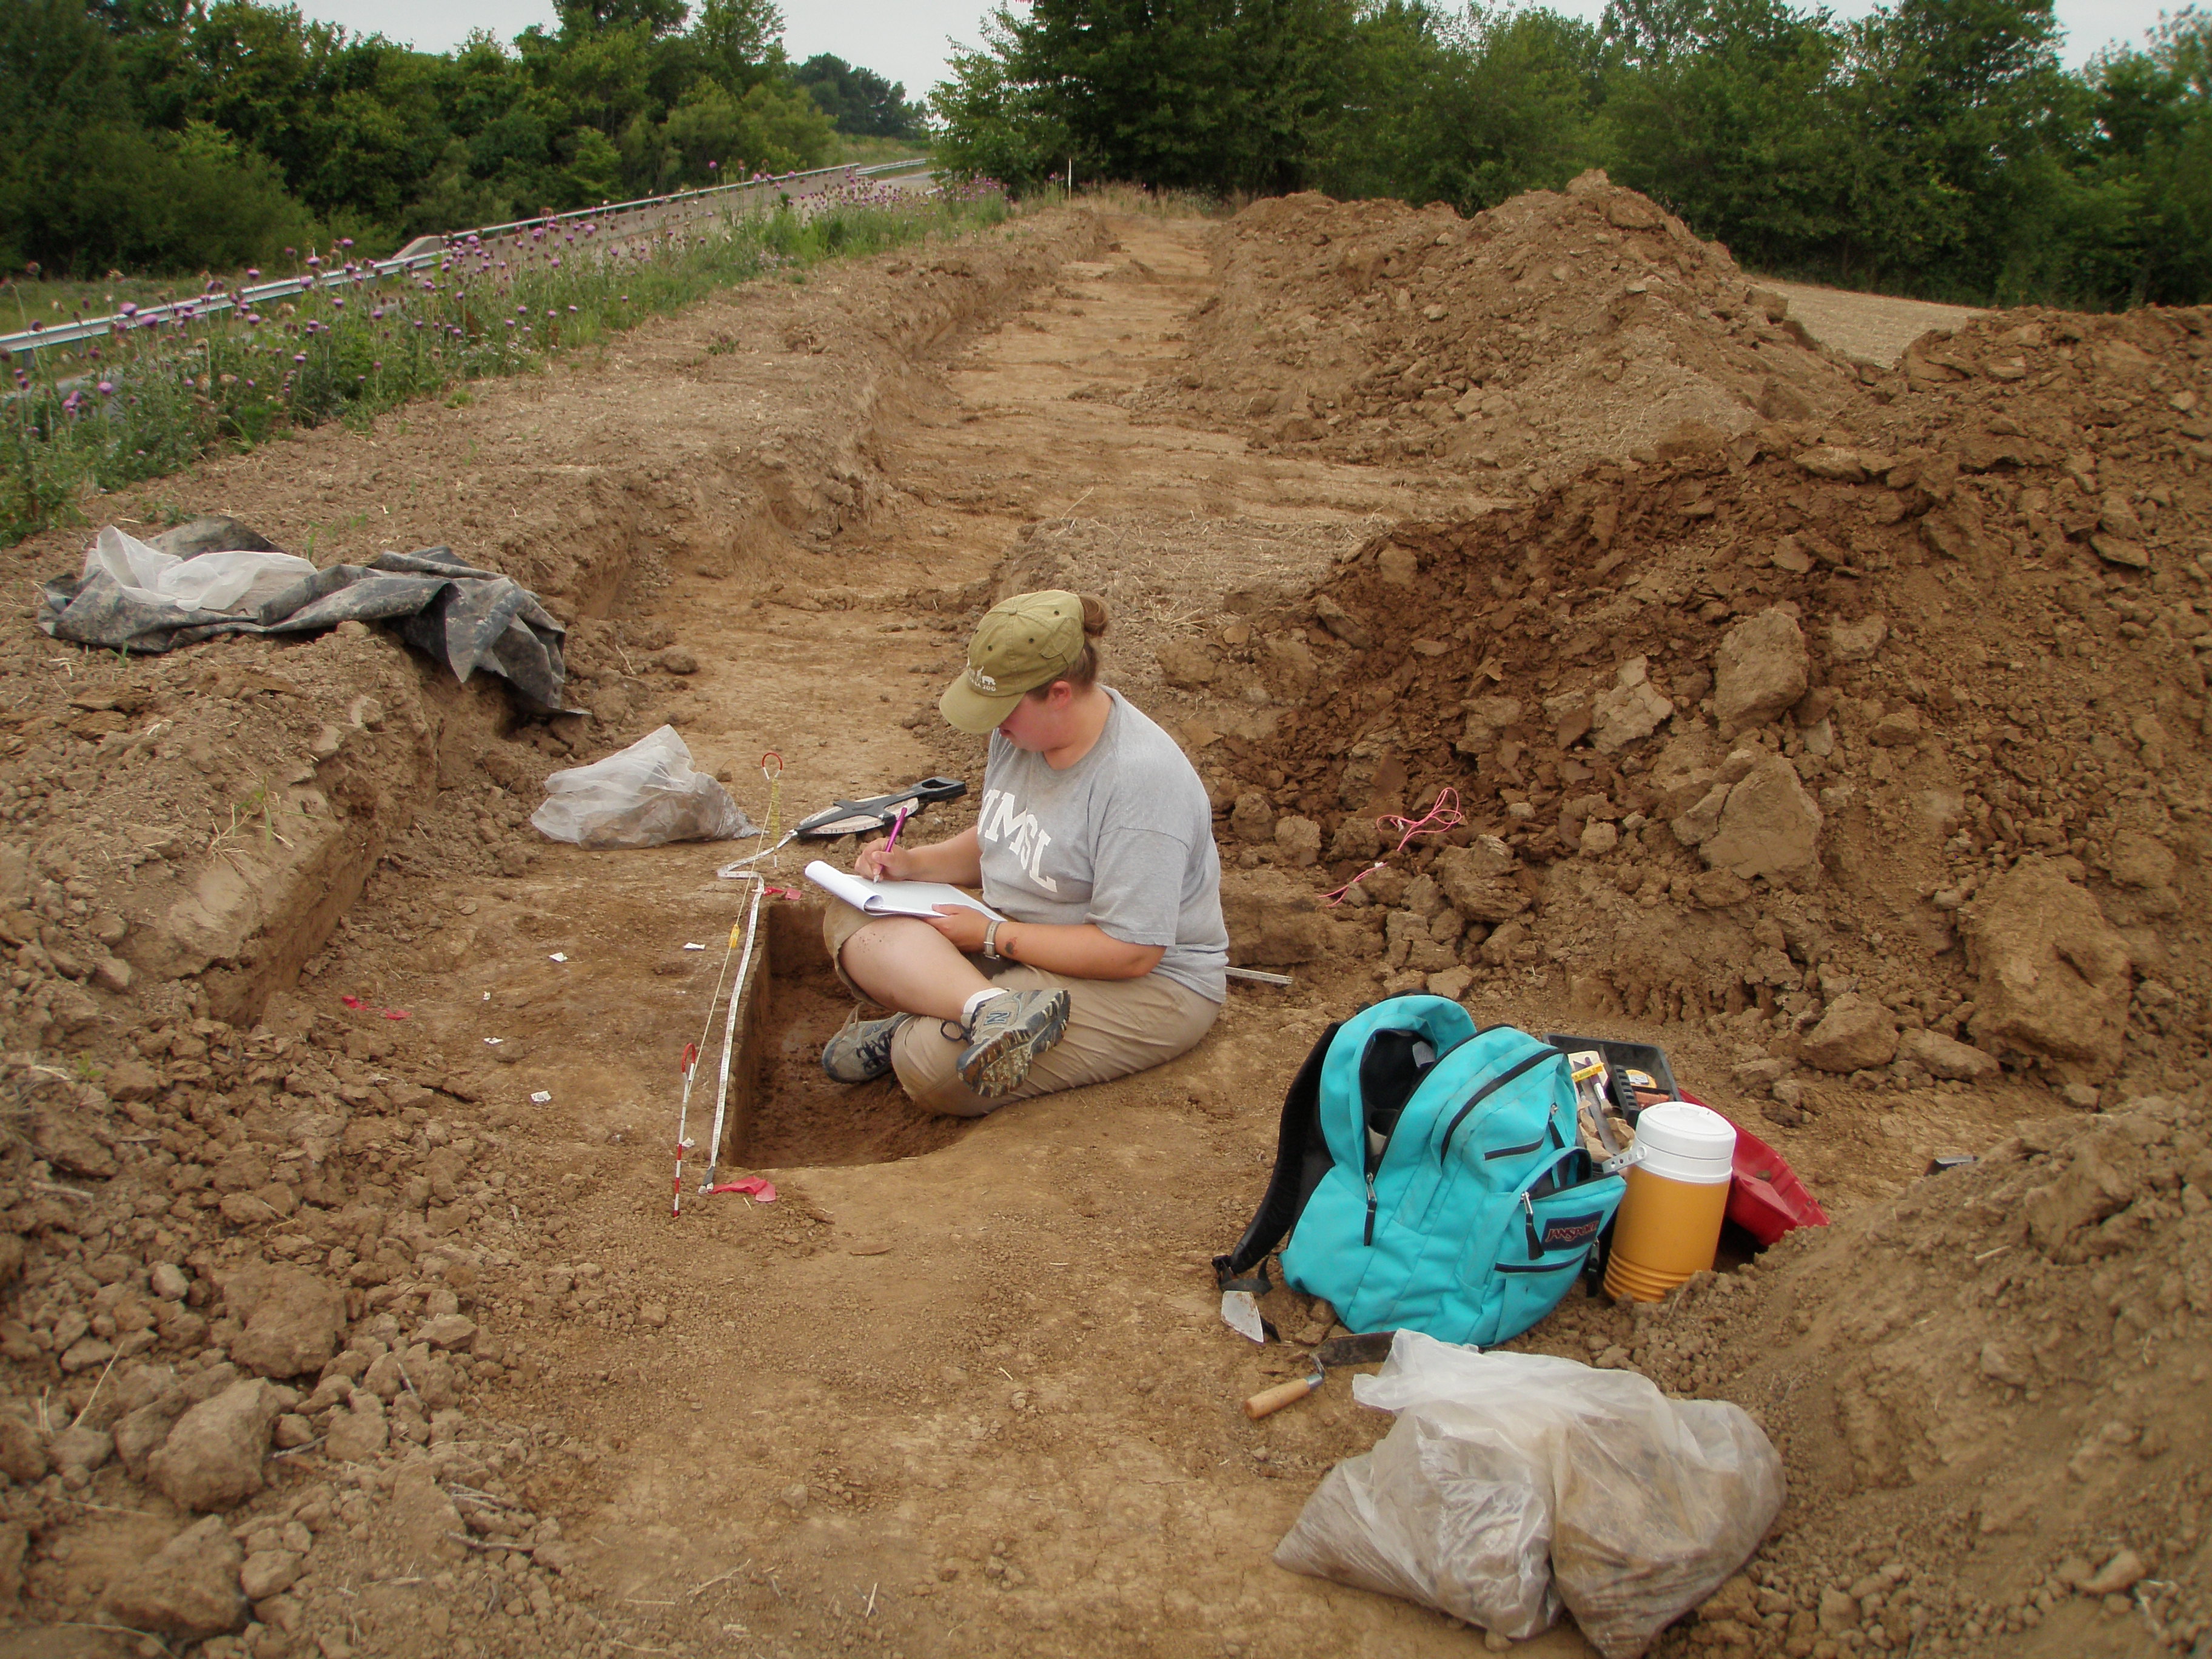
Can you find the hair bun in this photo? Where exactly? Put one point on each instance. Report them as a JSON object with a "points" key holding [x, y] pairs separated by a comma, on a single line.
{"points": [[1094, 616]]}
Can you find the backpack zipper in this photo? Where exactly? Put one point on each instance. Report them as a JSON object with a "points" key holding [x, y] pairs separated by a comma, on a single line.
{"points": [[1529, 1219], [1370, 1239], [1489, 1088]]}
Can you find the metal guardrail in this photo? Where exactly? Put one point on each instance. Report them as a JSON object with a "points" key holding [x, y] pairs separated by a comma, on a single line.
{"points": [[422, 251]]}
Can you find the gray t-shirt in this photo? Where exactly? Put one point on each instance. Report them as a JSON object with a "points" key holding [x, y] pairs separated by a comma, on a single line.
{"points": [[1123, 839]]}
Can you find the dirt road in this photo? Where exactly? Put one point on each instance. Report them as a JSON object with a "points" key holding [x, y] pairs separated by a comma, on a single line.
{"points": [[1872, 327]]}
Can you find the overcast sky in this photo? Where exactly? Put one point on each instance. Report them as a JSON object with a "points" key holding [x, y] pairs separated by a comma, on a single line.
{"points": [[905, 39]]}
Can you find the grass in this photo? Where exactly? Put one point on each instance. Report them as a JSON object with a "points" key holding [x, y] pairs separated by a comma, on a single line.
{"points": [[146, 402]]}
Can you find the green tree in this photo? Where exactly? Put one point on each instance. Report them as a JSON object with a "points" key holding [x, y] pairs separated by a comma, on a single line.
{"points": [[1957, 174], [1723, 111], [858, 100], [2152, 156], [771, 129], [1209, 95], [994, 124], [583, 18], [1465, 111]]}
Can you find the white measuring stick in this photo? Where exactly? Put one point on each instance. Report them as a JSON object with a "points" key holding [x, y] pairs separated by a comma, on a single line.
{"points": [[730, 1029]]}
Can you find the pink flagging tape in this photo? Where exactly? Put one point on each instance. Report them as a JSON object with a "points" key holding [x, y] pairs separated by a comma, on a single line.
{"points": [[1441, 817], [750, 1186]]}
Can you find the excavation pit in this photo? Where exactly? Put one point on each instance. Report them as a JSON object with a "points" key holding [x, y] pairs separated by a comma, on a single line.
{"points": [[784, 1112]]}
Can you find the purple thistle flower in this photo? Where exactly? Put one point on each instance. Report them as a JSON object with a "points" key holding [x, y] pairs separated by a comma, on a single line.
{"points": [[251, 271], [105, 387], [298, 356]]}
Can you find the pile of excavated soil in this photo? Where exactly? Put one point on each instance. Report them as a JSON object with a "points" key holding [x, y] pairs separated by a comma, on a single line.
{"points": [[1546, 332], [1832, 737]]}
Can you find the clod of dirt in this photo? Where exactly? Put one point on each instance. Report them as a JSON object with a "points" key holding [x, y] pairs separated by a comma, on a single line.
{"points": [[2054, 972], [212, 1458], [190, 1589], [1759, 672], [294, 1320], [1855, 1035]]}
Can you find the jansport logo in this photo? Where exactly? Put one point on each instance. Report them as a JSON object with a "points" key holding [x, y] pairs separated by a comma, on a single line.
{"points": [[982, 682], [1569, 1230]]}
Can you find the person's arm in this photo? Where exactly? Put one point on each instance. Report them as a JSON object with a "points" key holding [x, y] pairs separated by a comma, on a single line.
{"points": [[957, 861], [1080, 950]]}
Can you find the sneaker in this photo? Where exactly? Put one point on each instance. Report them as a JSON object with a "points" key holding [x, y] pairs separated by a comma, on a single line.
{"points": [[1006, 1034], [861, 1051]]}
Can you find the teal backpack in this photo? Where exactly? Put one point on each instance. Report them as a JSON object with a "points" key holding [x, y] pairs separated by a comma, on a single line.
{"points": [[1430, 1176]]}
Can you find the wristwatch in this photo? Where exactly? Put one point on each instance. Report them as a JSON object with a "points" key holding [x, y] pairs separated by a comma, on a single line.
{"points": [[991, 941]]}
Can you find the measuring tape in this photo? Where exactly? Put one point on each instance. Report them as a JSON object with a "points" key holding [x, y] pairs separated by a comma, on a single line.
{"points": [[745, 934]]}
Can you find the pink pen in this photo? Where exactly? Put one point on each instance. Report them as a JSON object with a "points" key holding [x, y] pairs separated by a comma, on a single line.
{"points": [[898, 824]]}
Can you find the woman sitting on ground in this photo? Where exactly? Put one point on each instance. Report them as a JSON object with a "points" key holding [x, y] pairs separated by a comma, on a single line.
{"points": [[1095, 841]]}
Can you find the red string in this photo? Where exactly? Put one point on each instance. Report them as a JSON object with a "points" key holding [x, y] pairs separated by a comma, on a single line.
{"points": [[1440, 817]]}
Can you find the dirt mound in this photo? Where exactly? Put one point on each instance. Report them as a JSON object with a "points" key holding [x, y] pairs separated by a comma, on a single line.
{"points": [[1544, 333], [1849, 739]]}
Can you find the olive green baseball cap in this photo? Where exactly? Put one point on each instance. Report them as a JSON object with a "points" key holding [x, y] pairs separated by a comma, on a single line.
{"points": [[1023, 643]]}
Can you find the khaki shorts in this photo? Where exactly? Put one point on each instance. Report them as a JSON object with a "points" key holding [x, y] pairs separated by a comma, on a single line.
{"points": [[1115, 1027]]}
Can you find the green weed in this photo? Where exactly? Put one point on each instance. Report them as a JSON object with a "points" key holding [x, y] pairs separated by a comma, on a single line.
{"points": [[147, 402]]}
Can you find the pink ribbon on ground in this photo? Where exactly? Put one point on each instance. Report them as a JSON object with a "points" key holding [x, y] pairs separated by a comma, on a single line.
{"points": [[1444, 816], [750, 1186]]}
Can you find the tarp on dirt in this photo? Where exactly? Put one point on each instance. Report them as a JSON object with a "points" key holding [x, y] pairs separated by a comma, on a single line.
{"points": [[134, 597]]}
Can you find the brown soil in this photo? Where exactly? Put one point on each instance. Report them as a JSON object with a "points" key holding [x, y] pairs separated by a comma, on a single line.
{"points": [[963, 1389]]}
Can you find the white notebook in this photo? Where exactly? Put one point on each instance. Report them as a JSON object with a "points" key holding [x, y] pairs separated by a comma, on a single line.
{"points": [[892, 898]]}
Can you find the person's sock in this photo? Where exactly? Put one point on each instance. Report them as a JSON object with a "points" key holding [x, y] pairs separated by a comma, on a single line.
{"points": [[967, 1008]]}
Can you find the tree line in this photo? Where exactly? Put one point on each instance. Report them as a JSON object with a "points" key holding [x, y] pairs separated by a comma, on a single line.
{"points": [[176, 135], [1933, 147]]}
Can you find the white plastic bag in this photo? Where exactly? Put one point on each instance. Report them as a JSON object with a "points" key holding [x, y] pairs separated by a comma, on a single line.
{"points": [[647, 795], [226, 582], [1642, 1505]]}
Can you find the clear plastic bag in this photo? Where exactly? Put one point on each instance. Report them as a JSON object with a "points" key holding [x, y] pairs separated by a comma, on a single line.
{"points": [[1633, 1508], [647, 795], [223, 582], [1461, 1521]]}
